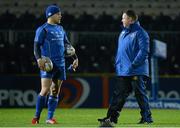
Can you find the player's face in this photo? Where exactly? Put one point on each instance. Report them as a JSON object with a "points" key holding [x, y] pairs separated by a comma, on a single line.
{"points": [[57, 18], [126, 20]]}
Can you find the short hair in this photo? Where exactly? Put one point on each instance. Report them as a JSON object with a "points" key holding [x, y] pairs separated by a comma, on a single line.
{"points": [[132, 14]]}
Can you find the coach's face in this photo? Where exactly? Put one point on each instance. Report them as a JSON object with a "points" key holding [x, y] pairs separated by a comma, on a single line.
{"points": [[57, 18], [126, 20]]}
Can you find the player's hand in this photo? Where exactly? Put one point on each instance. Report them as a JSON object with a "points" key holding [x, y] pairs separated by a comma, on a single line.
{"points": [[41, 63], [75, 64]]}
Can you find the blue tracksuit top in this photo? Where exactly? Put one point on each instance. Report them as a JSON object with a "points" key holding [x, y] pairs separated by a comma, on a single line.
{"points": [[132, 54], [52, 38]]}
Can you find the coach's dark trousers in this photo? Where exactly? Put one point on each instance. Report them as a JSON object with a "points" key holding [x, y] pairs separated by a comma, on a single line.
{"points": [[122, 89]]}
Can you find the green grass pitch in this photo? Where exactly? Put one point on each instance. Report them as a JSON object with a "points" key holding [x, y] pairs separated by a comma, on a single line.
{"points": [[87, 118]]}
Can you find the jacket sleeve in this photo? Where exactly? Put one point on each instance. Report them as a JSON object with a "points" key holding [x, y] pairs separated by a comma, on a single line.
{"points": [[143, 42]]}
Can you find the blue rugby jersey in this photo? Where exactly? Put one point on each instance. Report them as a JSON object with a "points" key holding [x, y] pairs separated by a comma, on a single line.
{"points": [[51, 39]]}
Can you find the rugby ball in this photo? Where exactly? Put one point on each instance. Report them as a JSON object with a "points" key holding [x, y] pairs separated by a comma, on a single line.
{"points": [[48, 66]]}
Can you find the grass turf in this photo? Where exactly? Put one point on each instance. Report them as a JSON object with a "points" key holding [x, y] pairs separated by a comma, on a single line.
{"points": [[87, 118]]}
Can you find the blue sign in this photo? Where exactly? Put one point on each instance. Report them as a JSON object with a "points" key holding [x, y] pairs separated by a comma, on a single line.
{"points": [[82, 91]]}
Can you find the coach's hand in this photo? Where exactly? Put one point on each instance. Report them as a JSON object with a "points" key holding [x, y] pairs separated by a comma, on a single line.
{"points": [[75, 64], [41, 63]]}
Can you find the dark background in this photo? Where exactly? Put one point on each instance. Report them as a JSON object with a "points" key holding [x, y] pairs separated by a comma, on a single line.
{"points": [[92, 26]]}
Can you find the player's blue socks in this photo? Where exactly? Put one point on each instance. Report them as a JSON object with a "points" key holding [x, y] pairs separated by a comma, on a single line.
{"points": [[52, 104], [41, 102]]}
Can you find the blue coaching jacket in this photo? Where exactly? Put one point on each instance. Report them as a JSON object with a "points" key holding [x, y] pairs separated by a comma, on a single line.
{"points": [[132, 54]]}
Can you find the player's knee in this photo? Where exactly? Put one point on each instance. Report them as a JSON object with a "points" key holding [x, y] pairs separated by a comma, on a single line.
{"points": [[44, 91], [54, 91]]}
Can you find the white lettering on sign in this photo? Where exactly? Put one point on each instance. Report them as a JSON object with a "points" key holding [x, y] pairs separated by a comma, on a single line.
{"points": [[18, 97]]}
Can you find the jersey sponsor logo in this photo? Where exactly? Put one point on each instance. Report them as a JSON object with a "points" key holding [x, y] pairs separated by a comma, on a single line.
{"points": [[60, 39], [57, 36]]}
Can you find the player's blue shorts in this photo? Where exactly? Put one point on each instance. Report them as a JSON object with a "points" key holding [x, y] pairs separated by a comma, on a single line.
{"points": [[56, 73]]}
